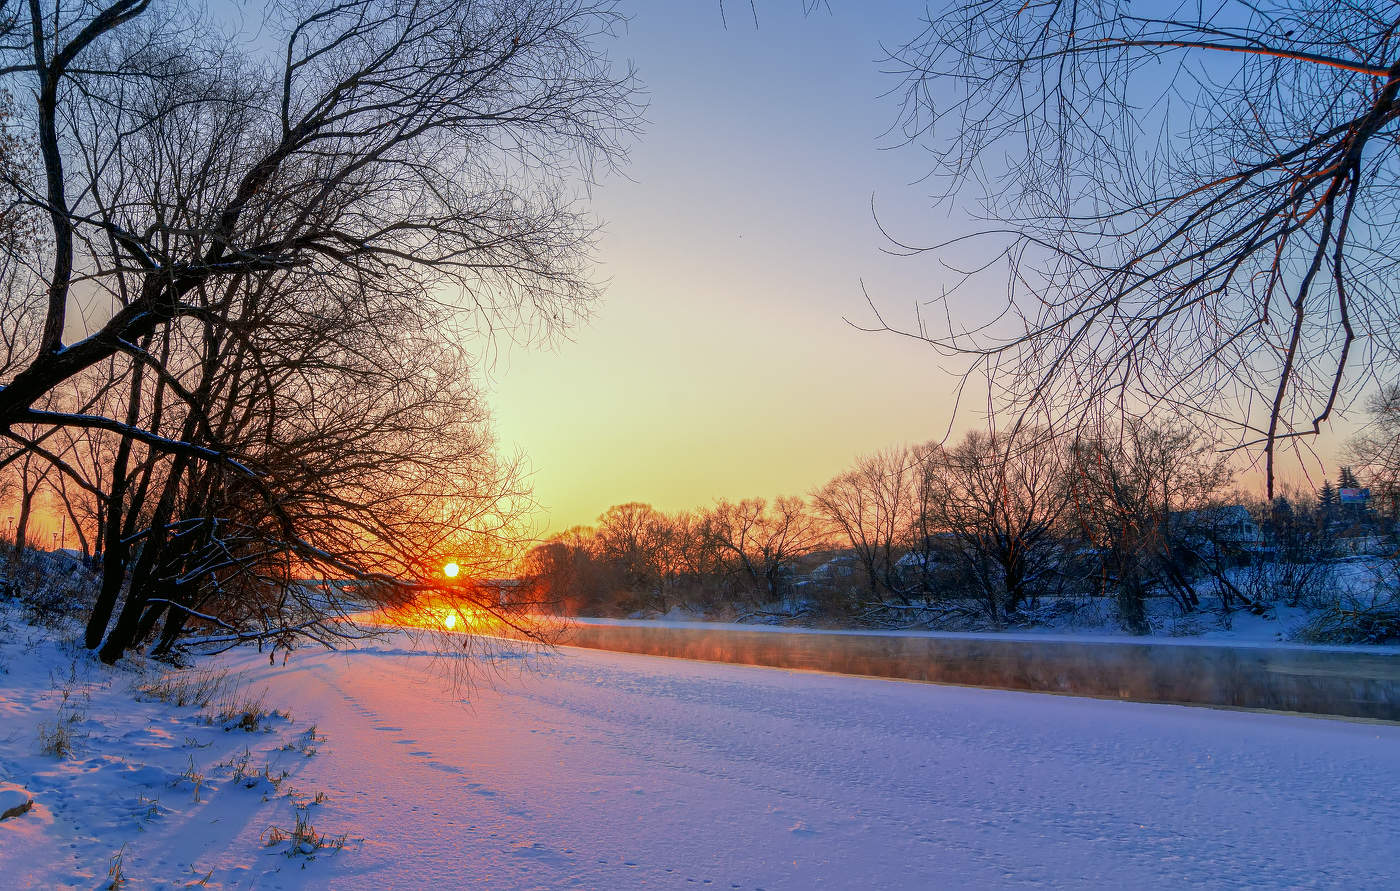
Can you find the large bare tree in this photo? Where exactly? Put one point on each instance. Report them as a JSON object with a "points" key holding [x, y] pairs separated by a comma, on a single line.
{"points": [[261, 262], [1191, 205]]}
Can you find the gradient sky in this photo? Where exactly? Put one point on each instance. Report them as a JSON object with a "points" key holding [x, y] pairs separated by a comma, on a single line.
{"points": [[719, 364], [737, 242]]}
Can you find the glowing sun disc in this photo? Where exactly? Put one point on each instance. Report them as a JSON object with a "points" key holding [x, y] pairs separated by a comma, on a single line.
{"points": [[451, 570], [450, 620]]}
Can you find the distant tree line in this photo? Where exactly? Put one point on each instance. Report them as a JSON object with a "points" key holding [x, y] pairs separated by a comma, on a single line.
{"points": [[982, 533]]}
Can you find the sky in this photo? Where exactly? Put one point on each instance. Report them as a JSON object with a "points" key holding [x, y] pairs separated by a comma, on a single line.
{"points": [[721, 362], [738, 249], [739, 245], [738, 240]]}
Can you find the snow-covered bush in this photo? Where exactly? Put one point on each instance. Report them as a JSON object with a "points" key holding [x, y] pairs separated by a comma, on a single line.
{"points": [[1310, 584], [1370, 615], [1354, 620]]}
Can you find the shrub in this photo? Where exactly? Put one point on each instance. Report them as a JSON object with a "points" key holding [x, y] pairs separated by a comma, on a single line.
{"points": [[57, 739], [50, 588], [191, 687], [1354, 620], [304, 840]]}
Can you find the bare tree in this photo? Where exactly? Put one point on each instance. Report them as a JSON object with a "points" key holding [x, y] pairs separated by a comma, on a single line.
{"points": [[564, 574], [1375, 451], [1192, 206], [696, 566], [392, 179], [762, 541], [635, 538], [1125, 487], [871, 506], [1001, 499], [375, 472], [32, 474]]}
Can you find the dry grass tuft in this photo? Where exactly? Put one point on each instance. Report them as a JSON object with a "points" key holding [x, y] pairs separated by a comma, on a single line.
{"points": [[116, 880], [191, 687], [304, 840]]}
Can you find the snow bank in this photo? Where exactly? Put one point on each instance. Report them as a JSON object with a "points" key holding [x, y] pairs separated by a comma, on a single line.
{"points": [[156, 794], [601, 770]]}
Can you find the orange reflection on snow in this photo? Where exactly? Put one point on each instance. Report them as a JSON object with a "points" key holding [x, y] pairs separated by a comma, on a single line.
{"points": [[453, 617], [442, 613]]}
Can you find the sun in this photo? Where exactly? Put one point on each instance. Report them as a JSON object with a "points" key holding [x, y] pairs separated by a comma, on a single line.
{"points": [[451, 570], [450, 621]]}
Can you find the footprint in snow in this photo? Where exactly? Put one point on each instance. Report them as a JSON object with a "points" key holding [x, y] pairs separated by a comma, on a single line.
{"points": [[445, 768]]}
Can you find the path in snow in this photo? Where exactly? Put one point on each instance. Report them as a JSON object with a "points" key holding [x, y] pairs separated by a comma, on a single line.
{"points": [[603, 770]]}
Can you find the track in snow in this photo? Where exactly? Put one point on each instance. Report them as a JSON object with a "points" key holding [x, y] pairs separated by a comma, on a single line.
{"points": [[596, 770]]}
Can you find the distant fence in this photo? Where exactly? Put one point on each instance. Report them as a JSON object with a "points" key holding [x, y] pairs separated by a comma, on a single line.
{"points": [[1350, 682]]}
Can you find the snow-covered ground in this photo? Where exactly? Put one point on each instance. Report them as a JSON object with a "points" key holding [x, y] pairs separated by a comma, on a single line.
{"points": [[600, 770]]}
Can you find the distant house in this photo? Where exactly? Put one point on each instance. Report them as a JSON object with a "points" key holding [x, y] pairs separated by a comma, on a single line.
{"points": [[939, 551], [506, 590], [1229, 527], [914, 561], [835, 570]]}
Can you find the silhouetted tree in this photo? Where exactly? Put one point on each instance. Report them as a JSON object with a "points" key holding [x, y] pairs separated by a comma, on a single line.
{"points": [[1126, 484], [272, 247], [762, 541], [872, 508], [1193, 202], [1376, 450]]}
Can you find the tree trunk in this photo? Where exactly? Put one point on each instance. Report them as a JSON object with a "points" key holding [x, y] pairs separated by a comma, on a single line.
{"points": [[175, 620], [148, 621], [110, 544], [124, 635], [21, 530], [1132, 605]]}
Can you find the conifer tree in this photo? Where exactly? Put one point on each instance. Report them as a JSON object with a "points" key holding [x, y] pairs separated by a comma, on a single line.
{"points": [[1326, 496]]}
